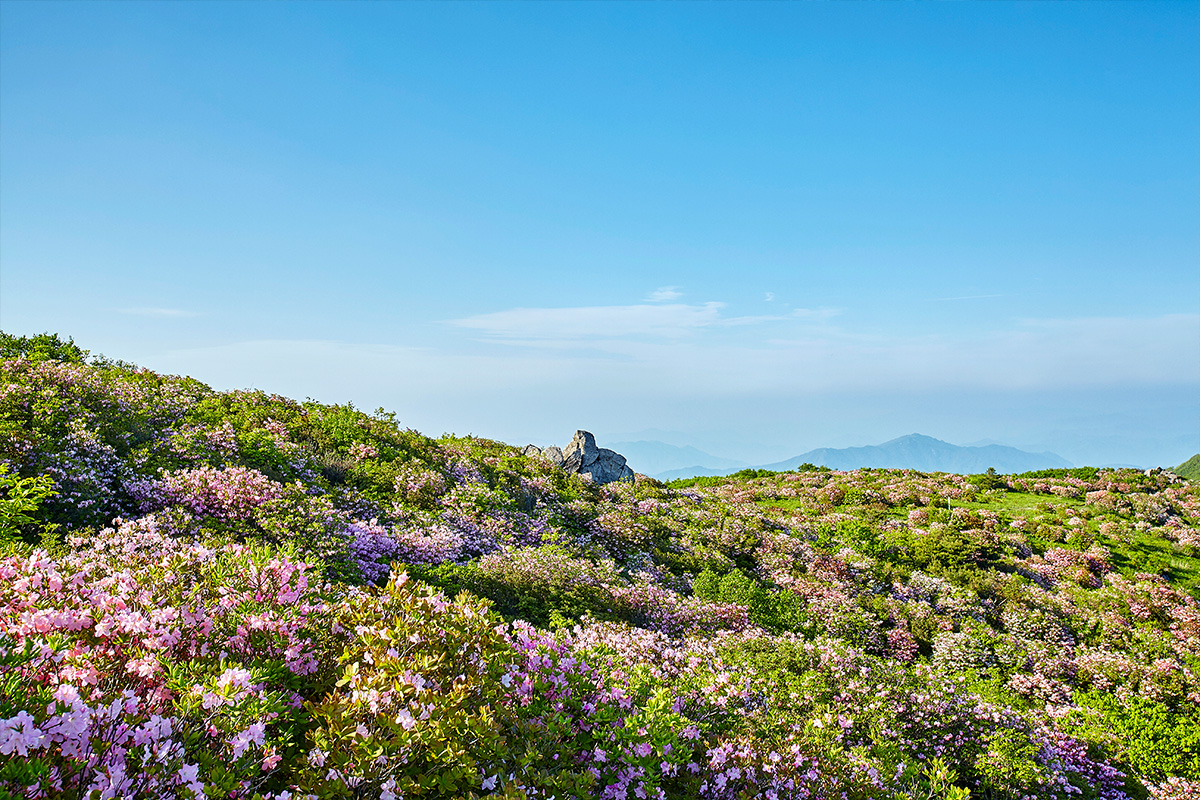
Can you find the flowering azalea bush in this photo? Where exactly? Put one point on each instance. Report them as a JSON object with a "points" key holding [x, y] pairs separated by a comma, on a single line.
{"points": [[144, 640], [234, 595]]}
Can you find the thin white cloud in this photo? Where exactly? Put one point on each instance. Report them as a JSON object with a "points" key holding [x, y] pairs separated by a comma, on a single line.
{"points": [[473, 386], [769, 297], [670, 321], [1033, 354], [816, 313], [161, 313], [568, 327], [966, 297], [1042, 354], [684, 356], [664, 294]]}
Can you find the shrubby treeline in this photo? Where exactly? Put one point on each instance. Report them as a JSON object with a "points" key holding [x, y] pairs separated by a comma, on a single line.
{"points": [[233, 594]]}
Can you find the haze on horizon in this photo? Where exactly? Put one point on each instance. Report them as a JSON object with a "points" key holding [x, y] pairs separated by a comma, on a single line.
{"points": [[756, 229]]}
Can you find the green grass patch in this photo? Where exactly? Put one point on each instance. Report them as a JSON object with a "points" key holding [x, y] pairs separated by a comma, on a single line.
{"points": [[1154, 554], [1019, 504], [1189, 469]]}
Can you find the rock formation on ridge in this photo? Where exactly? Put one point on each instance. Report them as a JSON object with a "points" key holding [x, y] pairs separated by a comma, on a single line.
{"points": [[583, 457]]}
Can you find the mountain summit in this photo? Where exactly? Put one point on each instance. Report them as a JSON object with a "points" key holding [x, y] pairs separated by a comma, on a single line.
{"points": [[926, 454]]}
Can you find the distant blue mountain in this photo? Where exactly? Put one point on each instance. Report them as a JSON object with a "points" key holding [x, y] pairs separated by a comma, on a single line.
{"points": [[926, 454], [692, 472], [656, 458]]}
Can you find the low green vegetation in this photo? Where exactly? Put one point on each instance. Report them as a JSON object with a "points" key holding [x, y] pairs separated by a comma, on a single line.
{"points": [[1189, 469]]}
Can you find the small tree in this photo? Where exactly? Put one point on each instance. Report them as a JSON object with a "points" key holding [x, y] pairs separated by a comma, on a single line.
{"points": [[19, 498]]}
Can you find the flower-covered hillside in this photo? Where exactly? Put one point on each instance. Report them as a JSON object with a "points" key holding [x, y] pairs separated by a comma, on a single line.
{"points": [[232, 594]]}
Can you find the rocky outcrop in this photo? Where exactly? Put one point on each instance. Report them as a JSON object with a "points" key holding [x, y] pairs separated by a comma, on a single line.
{"points": [[583, 457], [602, 465], [551, 453]]}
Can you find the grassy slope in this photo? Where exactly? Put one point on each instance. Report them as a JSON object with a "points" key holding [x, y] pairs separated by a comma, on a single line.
{"points": [[1134, 552], [1189, 469]]}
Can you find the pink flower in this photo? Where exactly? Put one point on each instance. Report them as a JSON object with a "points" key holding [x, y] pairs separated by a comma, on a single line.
{"points": [[255, 734], [213, 700], [234, 677]]}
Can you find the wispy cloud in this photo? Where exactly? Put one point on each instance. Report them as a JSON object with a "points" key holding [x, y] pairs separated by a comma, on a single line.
{"points": [[1041, 353], [816, 313], [681, 348], [965, 297], [664, 294], [161, 313], [670, 321], [1029, 355], [658, 321]]}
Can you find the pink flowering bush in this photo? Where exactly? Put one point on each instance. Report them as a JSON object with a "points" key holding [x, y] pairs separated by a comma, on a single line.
{"points": [[1086, 569], [138, 637], [660, 609], [415, 713], [232, 493], [75, 749]]}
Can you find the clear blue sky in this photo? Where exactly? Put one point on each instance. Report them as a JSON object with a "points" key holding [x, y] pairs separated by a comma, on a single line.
{"points": [[757, 228]]}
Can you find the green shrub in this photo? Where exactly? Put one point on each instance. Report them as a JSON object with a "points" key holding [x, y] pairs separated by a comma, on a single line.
{"points": [[777, 610], [19, 501], [41, 347], [1156, 741], [1082, 473]]}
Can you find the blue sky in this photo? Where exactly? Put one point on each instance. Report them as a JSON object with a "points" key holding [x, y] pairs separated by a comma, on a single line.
{"points": [[754, 228]]}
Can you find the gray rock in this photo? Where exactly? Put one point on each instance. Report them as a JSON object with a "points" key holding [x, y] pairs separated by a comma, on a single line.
{"points": [[598, 464], [583, 457], [581, 453], [551, 453]]}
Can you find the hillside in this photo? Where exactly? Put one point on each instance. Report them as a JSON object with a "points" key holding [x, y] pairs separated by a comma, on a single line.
{"points": [[1189, 469], [218, 594], [926, 454]]}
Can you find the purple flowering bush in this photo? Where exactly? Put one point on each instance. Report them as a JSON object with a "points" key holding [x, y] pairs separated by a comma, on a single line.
{"points": [[158, 654]]}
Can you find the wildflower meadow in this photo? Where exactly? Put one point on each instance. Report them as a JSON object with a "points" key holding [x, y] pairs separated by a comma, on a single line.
{"points": [[213, 594]]}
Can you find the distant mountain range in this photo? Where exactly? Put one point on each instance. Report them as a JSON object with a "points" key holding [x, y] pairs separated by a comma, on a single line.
{"points": [[915, 451], [692, 472], [926, 454], [659, 458]]}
